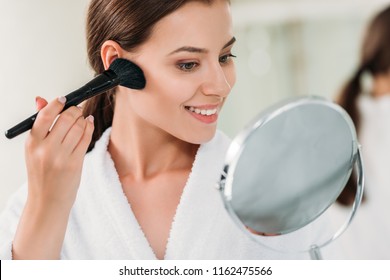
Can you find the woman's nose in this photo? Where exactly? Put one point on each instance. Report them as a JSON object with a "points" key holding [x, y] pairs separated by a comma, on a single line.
{"points": [[216, 83]]}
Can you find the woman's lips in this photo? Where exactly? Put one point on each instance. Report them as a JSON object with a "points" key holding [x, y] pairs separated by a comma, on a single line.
{"points": [[207, 113]]}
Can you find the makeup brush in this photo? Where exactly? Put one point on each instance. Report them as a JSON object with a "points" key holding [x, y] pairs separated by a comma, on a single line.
{"points": [[121, 72]]}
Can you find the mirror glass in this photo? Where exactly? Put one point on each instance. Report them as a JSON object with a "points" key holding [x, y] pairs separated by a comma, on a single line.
{"points": [[288, 165]]}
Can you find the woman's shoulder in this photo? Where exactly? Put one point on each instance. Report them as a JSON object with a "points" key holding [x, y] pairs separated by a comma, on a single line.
{"points": [[101, 144]]}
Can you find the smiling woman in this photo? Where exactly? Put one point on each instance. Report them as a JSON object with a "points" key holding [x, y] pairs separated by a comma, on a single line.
{"points": [[187, 64], [146, 187]]}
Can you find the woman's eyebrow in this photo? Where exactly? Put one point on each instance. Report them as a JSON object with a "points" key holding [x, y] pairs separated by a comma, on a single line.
{"points": [[200, 50], [189, 49], [231, 42]]}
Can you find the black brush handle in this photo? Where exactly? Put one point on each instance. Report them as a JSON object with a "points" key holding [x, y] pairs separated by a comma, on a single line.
{"points": [[101, 83]]}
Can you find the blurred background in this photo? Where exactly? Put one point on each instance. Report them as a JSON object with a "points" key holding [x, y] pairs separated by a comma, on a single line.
{"points": [[291, 48], [285, 48]]}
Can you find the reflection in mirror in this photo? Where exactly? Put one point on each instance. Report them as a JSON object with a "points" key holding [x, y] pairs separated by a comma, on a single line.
{"points": [[289, 166]]}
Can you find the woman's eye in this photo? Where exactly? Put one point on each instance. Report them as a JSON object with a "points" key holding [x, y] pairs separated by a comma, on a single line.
{"points": [[187, 66], [225, 58]]}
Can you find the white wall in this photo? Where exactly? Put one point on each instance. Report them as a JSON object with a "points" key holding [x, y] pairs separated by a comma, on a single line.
{"points": [[42, 50]]}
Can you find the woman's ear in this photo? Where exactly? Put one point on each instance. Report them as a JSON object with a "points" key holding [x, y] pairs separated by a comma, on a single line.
{"points": [[110, 51]]}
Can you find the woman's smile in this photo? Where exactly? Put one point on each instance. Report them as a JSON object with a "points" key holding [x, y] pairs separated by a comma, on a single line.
{"points": [[207, 113]]}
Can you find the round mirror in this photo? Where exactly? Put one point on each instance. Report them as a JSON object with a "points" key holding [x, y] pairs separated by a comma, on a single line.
{"points": [[289, 165]]}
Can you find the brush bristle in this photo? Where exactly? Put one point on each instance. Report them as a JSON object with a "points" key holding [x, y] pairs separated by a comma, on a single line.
{"points": [[130, 75]]}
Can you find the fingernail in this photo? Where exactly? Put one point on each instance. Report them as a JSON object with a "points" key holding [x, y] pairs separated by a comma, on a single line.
{"points": [[62, 99], [90, 118], [36, 100]]}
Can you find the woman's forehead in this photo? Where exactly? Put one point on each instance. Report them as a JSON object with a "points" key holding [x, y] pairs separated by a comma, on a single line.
{"points": [[194, 23]]}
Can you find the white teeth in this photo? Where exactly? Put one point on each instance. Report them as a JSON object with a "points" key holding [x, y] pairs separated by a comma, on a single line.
{"points": [[203, 112]]}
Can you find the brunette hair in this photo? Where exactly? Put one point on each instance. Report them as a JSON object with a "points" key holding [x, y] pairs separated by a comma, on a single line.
{"points": [[129, 23], [374, 60]]}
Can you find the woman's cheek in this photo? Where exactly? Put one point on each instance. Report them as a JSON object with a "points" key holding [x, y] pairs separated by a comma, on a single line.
{"points": [[231, 75]]}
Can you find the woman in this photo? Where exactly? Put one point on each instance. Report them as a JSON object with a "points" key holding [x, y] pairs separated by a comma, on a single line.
{"points": [[366, 97], [145, 189]]}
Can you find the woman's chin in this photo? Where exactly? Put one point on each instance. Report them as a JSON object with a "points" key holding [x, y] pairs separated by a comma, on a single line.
{"points": [[202, 137]]}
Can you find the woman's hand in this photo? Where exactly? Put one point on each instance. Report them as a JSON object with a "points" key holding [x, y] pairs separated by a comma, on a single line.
{"points": [[55, 151]]}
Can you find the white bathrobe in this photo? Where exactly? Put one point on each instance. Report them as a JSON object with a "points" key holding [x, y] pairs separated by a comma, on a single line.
{"points": [[103, 226]]}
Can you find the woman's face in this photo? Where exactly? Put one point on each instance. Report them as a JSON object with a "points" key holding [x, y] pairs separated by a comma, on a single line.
{"points": [[189, 71]]}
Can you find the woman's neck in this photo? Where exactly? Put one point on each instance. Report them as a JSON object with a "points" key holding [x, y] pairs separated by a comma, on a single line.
{"points": [[143, 151]]}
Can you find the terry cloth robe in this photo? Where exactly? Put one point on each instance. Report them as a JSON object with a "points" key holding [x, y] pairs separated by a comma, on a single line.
{"points": [[103, 226]]}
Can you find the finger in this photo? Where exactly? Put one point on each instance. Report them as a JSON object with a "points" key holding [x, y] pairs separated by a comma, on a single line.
{"points": [[46, 117], [64, 123], [74, 135], [40, 103], [82, 146]]}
